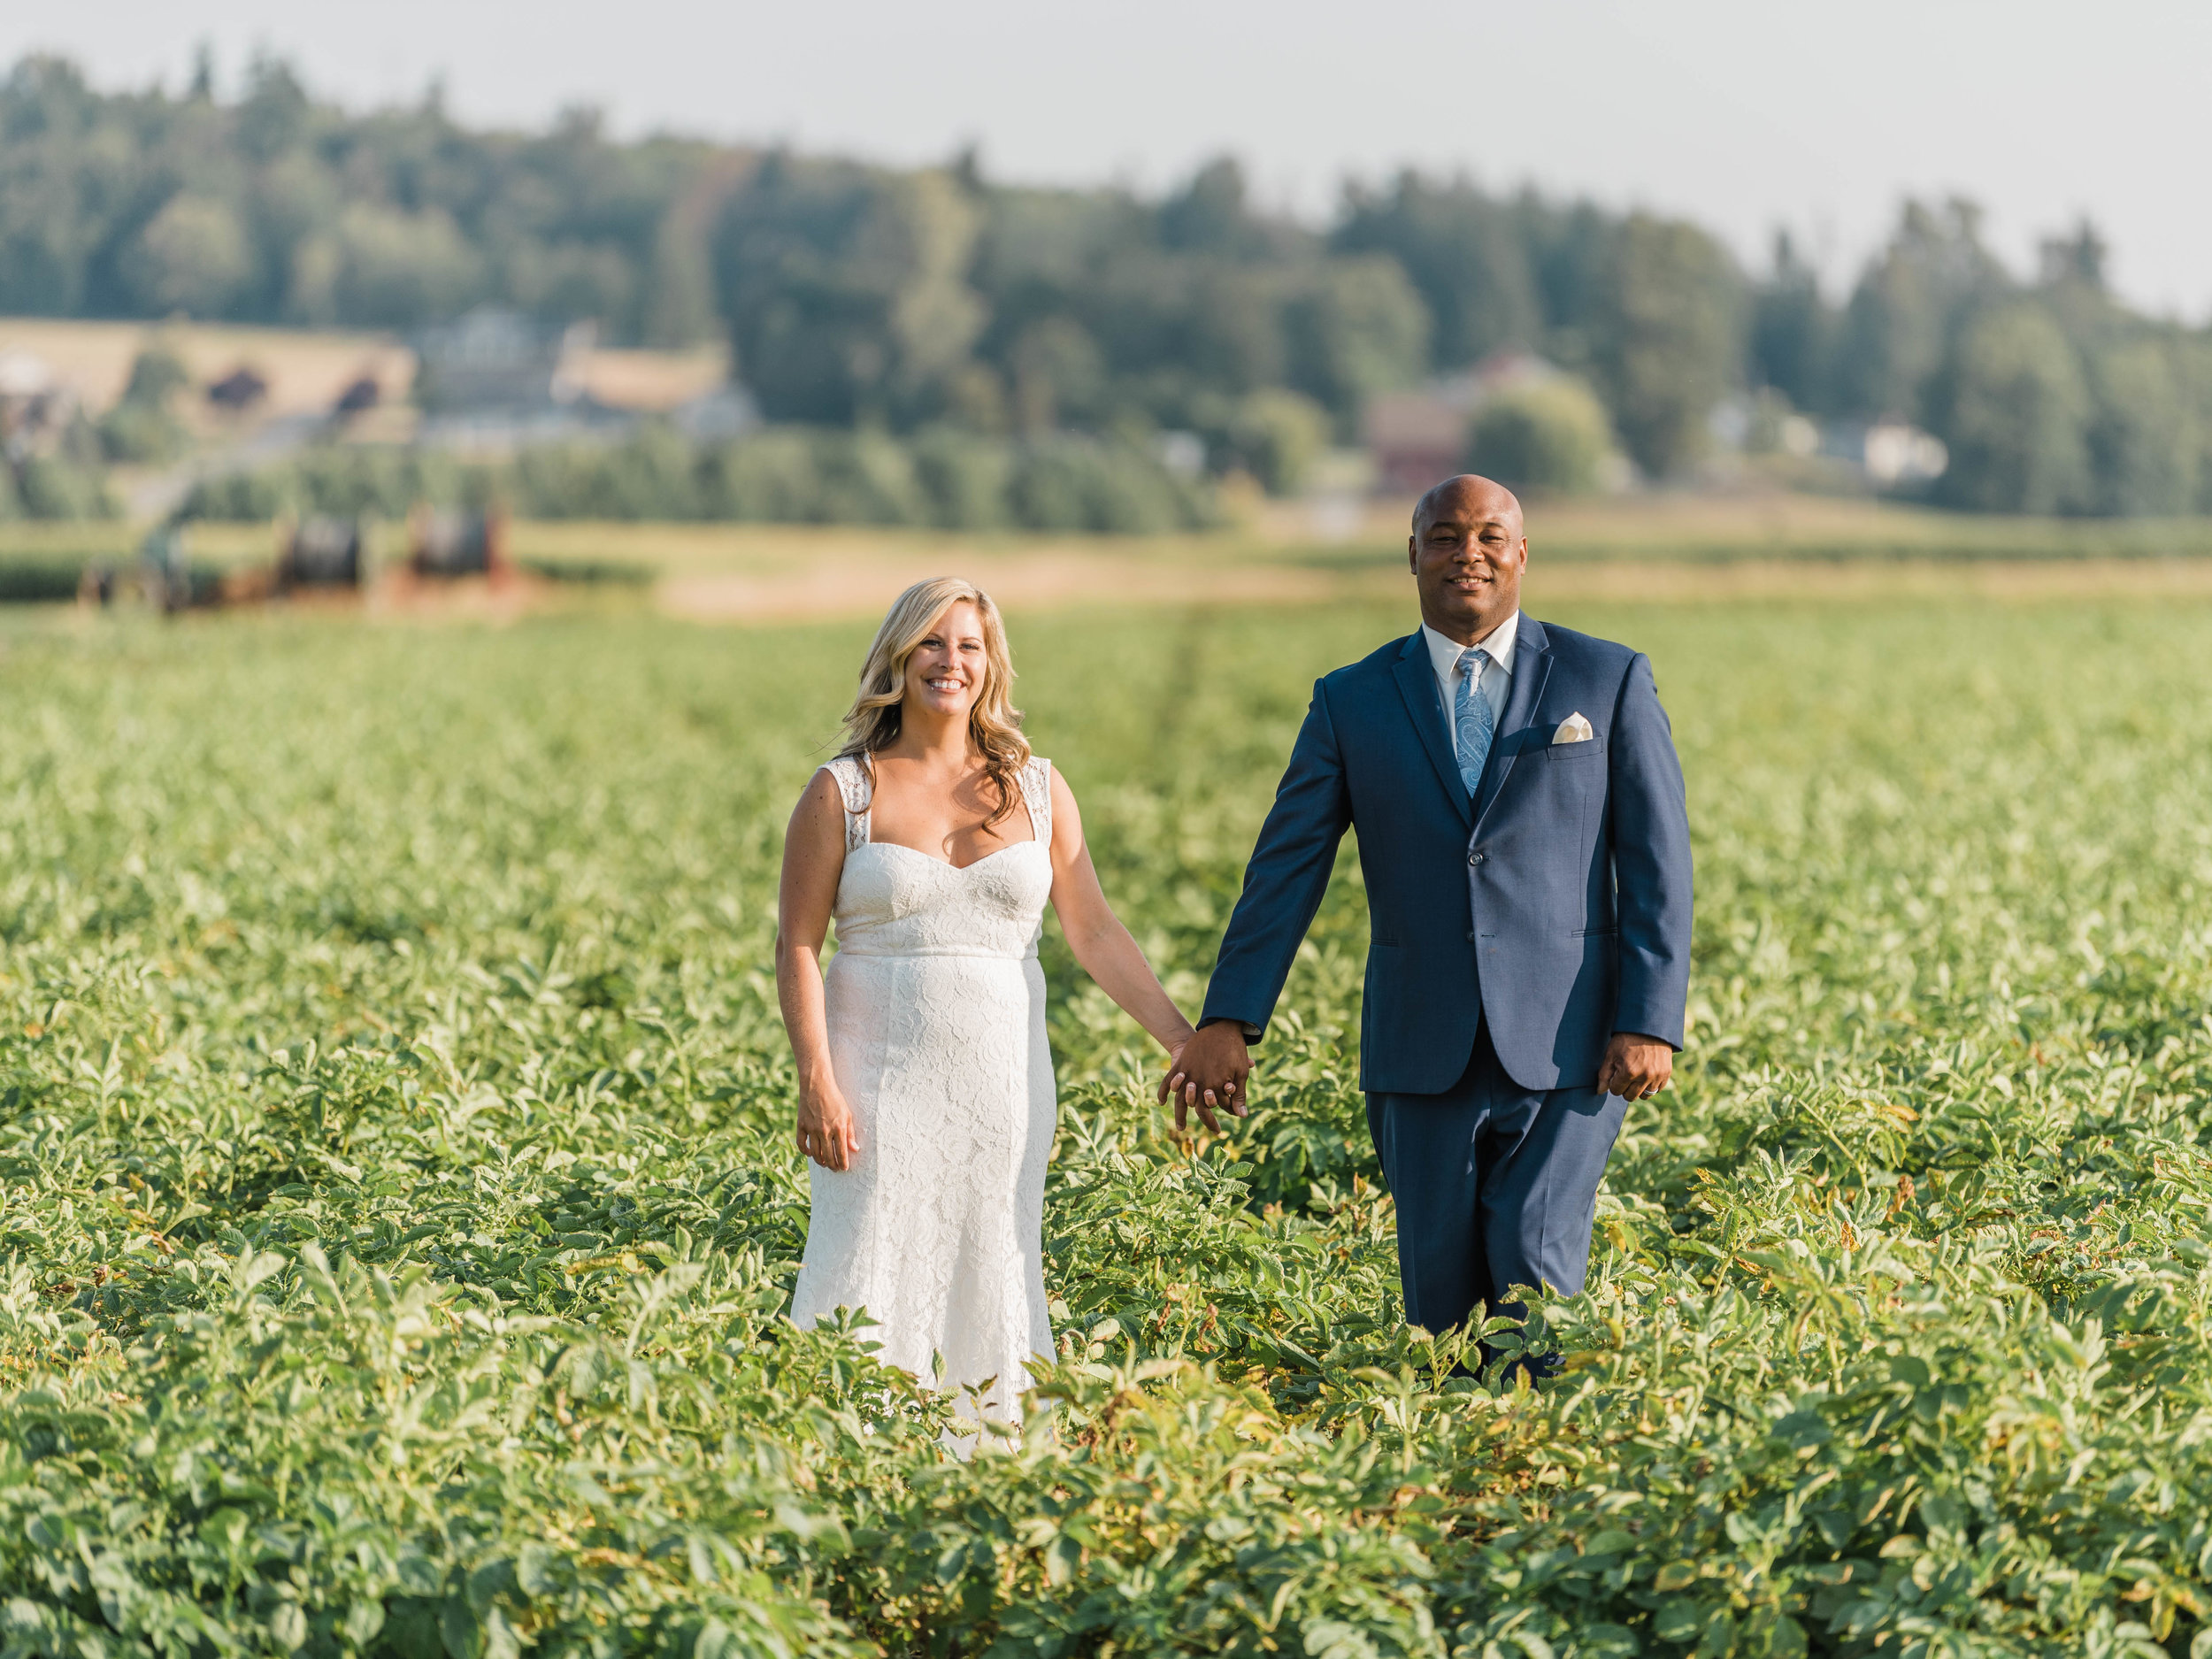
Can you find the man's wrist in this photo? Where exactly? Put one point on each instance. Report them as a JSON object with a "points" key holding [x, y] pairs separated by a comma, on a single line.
{"points": [[1244, 1027]]}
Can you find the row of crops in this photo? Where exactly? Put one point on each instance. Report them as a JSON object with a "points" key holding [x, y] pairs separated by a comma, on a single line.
{"points": [[397, 1208]]}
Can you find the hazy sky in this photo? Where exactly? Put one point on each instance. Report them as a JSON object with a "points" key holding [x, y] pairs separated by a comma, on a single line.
{"points": [[1740, 114]]}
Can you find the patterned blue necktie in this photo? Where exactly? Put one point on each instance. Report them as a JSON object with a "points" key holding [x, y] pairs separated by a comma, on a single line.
{"points": [[1471, 717]]}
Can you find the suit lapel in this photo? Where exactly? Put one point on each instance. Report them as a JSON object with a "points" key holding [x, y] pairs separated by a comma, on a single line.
{"points": [[1417, 682], [1531, 665]]}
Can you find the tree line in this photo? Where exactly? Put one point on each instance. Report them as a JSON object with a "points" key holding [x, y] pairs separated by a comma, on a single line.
{"points": [[909, 300], [940, 478]]}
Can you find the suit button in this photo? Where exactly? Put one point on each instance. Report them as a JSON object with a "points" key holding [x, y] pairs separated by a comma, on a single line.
{"points": [[1471, 935], [1476, 858]]}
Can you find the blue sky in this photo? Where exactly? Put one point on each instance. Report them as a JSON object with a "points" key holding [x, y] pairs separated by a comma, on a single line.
{"points": [[1822, 117]]}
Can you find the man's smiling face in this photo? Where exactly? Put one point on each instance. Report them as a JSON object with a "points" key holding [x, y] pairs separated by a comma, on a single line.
{"points": [[1467, 552]]}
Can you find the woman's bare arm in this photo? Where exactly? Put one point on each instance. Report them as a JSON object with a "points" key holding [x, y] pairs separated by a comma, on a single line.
{"points": [[1101, 943], [813, 858]]}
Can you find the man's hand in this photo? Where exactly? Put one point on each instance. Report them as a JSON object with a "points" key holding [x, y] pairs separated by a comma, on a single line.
{"points": [[1209, 1072], [1635, 1066]]}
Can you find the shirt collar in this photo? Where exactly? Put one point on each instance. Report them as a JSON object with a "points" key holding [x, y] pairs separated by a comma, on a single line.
{"points": [[1444, 654]]}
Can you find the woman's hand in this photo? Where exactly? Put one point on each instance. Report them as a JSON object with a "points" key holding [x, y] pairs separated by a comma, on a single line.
{"points": [[1175, 1064], [827, 1133]]}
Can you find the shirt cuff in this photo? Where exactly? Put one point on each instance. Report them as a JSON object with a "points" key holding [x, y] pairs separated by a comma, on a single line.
{"points": [[1249, 1030]]}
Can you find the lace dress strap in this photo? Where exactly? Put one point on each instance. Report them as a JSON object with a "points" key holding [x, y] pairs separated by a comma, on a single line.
{"points": [[1037, 796], [853, 784]]}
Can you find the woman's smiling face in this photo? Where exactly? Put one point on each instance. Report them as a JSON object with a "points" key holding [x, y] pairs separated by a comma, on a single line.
{"points": [[945, 674]]}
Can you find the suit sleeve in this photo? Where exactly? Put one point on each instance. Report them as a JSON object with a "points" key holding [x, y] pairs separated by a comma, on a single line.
{"points": [[1651, 864], [1286, 879]]}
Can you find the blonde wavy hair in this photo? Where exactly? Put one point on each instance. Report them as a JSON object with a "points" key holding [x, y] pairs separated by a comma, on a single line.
{"points": [[994, 723]]}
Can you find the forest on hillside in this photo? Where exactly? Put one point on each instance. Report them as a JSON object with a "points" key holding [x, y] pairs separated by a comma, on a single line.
{"points": [[868, 297]]}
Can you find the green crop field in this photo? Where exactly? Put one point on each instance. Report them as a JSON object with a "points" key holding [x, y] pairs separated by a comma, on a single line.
{"points": [[397, 1207]]}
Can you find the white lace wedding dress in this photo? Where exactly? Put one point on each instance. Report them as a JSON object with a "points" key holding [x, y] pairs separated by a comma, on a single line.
{"points": [[936, 1008]]}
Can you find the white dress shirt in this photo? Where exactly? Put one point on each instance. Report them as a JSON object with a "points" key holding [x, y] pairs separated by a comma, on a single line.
{"points": [[1497, 673]]}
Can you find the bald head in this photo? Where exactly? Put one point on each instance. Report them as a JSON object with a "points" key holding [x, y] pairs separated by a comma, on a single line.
{"points": [[1467, 552], [1467, 495]]}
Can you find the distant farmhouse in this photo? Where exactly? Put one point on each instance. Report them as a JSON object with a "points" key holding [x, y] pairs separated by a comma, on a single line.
{"points": [[495, 378], [1416, 437], [490, 359]]}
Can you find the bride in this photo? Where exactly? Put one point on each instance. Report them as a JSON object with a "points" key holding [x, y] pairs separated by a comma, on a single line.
{"points": [[926, 1101]]}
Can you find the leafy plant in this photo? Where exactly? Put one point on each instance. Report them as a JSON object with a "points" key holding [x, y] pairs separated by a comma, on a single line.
{"points": [[397, 1208]]}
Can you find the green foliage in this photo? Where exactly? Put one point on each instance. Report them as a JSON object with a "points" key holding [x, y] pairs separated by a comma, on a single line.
{"points": [[399, 1203], [61, 478], [1547, 438], [1361, 329], [243, 498], [392, 267], [157, 374], [845, 291], [349, 482], [2146, 443], [2014, 416], [1075, 484], [192, 256], [141, 426], [942, 477], [1666, 339], [58, 486], [37, 580], [965, 478], [1792, 347], [278, 208], [1466, 255], [139, 433], [2052, 397], [851, 294], [1911, 302], [1276, 436], [864, 297], [1058, 374]]}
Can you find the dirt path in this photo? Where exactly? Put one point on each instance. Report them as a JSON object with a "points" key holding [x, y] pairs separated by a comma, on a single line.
{"points": [[1052, 580], [864, 586]]}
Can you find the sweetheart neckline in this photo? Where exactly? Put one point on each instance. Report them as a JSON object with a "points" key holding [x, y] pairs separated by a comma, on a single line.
{"points": [[946, 864]]}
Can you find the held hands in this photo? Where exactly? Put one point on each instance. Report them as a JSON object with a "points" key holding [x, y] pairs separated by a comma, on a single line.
{"points": [[827, 1133], [1635, 1066], [1207, 1071]]}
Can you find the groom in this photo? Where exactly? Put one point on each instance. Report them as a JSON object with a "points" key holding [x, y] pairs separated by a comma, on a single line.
{"points": [[1526, 854]]}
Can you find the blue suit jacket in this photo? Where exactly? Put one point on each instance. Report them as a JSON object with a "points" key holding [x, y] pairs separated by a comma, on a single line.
{"points": [[1556, 904]]}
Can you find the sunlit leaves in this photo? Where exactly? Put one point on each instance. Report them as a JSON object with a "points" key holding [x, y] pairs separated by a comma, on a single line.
{"points": [[397, 1208]]}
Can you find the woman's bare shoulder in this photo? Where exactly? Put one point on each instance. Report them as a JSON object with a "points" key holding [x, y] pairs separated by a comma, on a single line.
{"points": [[824, 794]]}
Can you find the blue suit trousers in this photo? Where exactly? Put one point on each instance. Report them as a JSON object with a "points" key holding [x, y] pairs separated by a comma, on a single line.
{"points": [[1496, 1185]]}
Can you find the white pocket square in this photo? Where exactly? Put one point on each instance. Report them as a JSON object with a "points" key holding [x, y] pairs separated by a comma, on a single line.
{"points": [[1573, 729]]}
